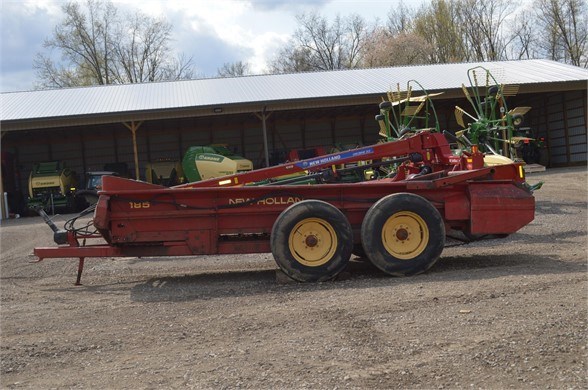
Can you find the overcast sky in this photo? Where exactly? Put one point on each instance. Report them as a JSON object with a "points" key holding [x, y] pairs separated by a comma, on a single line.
{"points": [[213, 32]]}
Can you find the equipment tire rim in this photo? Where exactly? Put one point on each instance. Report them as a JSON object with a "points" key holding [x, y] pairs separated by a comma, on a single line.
{"points": [[405, 235], [313, 242]]}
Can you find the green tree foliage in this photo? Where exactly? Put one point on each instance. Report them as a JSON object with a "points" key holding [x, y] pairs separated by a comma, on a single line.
{"points": [[98, 46]]}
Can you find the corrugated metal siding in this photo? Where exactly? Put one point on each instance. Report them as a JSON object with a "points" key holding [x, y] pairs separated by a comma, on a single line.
{"points": [[125, 152], [98, 152], [266, 88], [560, 119], [556, 131], [318, 134], [163, 146], [347, 132], [68, 149], [576, 123]]}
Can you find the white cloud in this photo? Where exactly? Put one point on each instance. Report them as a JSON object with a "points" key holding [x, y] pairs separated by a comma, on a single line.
{"points": [[213, 32], [50, 7], [239, 24], [238, 30], [264, 48]]}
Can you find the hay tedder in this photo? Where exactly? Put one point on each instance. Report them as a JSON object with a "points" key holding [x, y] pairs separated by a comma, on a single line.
{"points": [[307, 216]]}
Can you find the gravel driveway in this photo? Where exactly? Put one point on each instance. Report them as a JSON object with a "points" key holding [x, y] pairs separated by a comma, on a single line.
{"points": [[508, 313]]}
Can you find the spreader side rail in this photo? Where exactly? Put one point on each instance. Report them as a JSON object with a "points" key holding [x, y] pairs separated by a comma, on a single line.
{"points": [[422, 149]]}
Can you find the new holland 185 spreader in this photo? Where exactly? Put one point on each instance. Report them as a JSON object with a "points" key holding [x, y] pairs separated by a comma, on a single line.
{"points": [[398, 219]]}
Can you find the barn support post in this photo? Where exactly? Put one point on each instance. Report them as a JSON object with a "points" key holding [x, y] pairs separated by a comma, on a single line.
{"points": [[134, 126], [263, 117]]}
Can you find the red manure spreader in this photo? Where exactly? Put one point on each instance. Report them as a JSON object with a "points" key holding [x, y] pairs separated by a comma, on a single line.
{"points": [[409, 193]]}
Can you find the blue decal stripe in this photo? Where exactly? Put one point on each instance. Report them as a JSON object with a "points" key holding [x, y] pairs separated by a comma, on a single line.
{"points": [[333, 158]]}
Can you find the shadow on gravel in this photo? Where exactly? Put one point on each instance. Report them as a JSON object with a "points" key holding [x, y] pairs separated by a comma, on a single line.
{"points": [[553, 208], [490, 266], [359, 274], [565, 237]]}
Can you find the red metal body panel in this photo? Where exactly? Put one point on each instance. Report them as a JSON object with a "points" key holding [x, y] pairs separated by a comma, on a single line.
{"points": [[499, 208]]}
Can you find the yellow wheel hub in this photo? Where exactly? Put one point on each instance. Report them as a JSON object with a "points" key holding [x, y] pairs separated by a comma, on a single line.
{"points": [[405, 235], [313, 242]]}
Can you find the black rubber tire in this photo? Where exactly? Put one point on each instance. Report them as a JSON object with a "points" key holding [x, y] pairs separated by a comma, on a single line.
{"points": [[385, 105], [404, 131], [493, 90], [328, 215], [517, 120], [398, 206]]}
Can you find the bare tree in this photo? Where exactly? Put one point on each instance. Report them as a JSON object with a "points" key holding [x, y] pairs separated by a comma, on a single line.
{"points": [[141, 50], [404, 48], [292, 59], [564, 24], [441, 31], [234, 69], [397, 43], [439, 25], [523, 44], [318, 45], [483, 23], [400, 20], [97, 47]]}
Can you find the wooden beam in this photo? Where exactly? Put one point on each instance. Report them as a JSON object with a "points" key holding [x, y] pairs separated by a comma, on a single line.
{"points": [[263, 117], [134, 126]]}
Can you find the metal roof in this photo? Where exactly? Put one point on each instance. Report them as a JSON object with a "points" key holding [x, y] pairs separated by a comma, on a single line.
{"points": [[134, 100]]}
